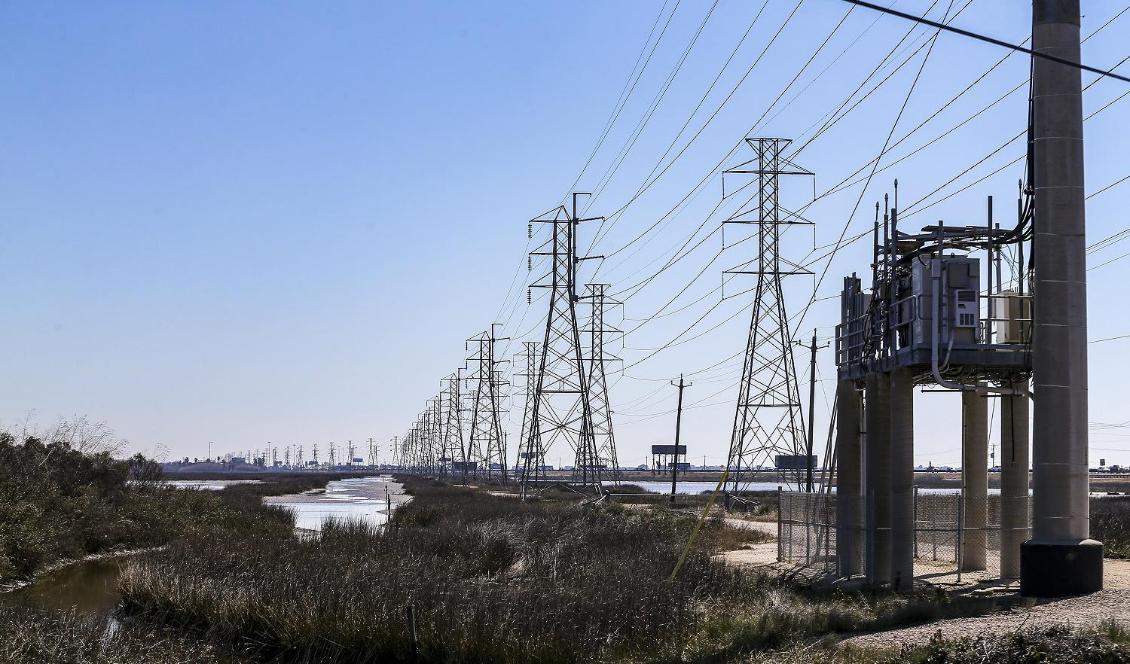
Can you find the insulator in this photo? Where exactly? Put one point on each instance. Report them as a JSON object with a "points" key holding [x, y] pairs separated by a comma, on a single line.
{"points": [[529, 296], [529, 263], [530, 231]]}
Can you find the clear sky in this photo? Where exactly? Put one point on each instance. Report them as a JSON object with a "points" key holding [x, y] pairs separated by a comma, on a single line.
{"points": [[250, 222]]}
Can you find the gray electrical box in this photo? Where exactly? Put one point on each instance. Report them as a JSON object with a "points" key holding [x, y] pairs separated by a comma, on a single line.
{"points": [[960, 311]]}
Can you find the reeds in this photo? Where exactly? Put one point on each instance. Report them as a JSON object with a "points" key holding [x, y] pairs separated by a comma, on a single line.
{"points": [[486, 579], [35, 637]]}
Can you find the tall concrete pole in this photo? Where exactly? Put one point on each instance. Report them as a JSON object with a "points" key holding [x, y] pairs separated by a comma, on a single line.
{"points": [[974, 479], [1060, 559], [902, 479], [877, 461], [848, 470], [1014, 479]]}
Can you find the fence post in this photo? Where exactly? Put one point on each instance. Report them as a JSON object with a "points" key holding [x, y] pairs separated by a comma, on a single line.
{"points": [[915, 523], [809, 526], [960, 532], [780, 524]]}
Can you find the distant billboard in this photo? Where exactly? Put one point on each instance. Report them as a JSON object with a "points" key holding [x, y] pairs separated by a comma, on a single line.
{"points": [[794, 462], [669, 449]]}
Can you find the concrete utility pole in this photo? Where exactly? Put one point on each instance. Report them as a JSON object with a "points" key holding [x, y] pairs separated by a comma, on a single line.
{"points": [[678, 427], [1060, 559]]}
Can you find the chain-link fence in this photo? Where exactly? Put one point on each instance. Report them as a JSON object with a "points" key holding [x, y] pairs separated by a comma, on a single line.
{"points": [[952, 536], [806, 529]]}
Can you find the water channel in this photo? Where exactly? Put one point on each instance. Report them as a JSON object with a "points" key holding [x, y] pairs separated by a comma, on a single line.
{"points": [[90, 587]]}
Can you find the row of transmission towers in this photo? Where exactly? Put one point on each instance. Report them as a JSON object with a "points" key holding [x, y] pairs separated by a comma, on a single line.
{"points": [[460, 432], [564, 382]]}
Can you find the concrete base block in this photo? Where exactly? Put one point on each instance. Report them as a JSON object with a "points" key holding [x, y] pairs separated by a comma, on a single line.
{"points": [[1061, 569]]}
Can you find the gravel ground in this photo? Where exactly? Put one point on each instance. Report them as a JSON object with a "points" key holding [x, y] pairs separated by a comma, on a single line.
{"points": [[1111, 604], [1087, 612]]}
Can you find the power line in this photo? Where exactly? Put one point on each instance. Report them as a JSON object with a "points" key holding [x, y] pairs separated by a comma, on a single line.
{"points": [[629, 88], [990, 40], [1122, 336], [827, 125], [649, 113], [1112, 185], [615, 216], [701, 101]]}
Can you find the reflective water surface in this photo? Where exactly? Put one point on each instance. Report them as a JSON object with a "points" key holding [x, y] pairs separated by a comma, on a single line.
{"points": [[90, 588], [363, 499]]}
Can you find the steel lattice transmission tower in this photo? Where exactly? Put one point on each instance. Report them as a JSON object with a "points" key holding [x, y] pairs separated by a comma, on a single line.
{"points": [[487, 444], [768, 419], [604, 440], [434, 436], [562, 409], [451, 413], [531, 462]]}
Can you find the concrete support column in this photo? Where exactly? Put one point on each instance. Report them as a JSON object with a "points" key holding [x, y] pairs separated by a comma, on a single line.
{"points": [[902, 479], [849, 461], [1014, 480], [974, 478], [877, 465], [1060, 559]]}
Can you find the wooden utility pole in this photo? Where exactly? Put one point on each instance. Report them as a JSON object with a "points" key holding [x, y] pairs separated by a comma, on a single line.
{"points": [[811, 410], [678, 425]]}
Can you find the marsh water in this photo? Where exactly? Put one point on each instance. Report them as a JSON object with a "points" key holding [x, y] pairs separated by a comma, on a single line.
{"points": [[90, 587], [365, 499]]}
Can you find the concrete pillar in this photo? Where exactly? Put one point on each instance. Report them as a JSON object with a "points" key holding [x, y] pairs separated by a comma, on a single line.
{"points": [[1014, 480], [877, 492], [974, 478], [902, 479], [848, 470], [1060, 559]]}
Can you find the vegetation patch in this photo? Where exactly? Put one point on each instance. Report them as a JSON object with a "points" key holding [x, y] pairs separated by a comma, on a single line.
{"points": [[34, 637], [464, 576], [1110, 524]]}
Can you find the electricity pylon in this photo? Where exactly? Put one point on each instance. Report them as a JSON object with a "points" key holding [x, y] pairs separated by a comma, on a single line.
{"points": [[604, 440], [768, 419], [452, 413], [531, 460], [487, 444], [562, 409]]}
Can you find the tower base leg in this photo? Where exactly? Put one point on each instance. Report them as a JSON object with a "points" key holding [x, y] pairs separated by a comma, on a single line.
{"points": [[1061, 569]]}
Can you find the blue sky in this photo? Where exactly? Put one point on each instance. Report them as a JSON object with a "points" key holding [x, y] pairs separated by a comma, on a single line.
{"points": [[251, 222]]}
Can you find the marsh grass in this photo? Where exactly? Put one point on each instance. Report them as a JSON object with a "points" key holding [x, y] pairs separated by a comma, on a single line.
{"points": [[34, 637], [491, 579], [1110, 524]]}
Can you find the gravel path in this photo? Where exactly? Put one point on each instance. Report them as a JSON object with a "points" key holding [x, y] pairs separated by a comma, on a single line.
{"points": [[1089, 611]]}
